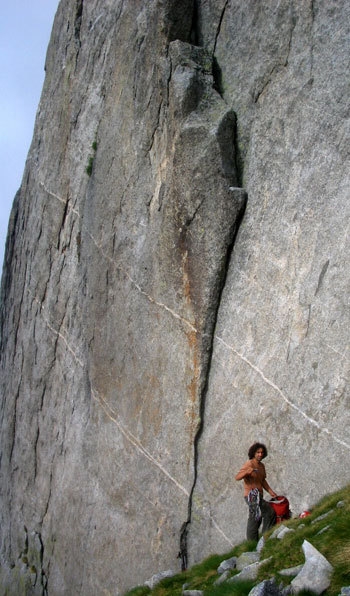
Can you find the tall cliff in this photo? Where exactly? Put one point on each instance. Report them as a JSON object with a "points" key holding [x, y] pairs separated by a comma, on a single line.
{"points": [[176, 285]]}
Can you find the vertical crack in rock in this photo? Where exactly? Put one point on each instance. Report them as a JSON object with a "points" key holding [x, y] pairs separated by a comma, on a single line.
{"points": [[31, 559], [321, 276], [216, 70], [77, 22], [313, 16], [183, 553], [219, 24], [14, 424], [62, 225], [281, 61], [205, 205], [194, 36]]}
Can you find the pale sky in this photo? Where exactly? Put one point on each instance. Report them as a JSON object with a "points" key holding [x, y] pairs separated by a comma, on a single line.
{"points": [[25, 28]]}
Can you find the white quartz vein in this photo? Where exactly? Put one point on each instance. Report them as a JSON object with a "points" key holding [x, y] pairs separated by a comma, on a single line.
{"points": [[113, 416], [284, 397], [141, 291], [217, 527], [60, 199], [56, 332], [119, 266]]}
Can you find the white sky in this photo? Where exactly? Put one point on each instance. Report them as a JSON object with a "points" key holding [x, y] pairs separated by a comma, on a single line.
{"points": [[25, 28]]}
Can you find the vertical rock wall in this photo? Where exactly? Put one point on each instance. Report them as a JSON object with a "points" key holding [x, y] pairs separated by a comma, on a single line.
{"points": [[155, 321], [280, 366]]}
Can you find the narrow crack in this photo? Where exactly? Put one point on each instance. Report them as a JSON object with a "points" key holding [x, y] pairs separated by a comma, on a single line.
{"points": [[77, 23], [62, 224], [183, 553], [238, 166], [259, 92], [279, 66], [321, 276], [35, 449], [194, 35], [14, 424], [219, 25], [156, 126], [313, 16], [216, 70]]}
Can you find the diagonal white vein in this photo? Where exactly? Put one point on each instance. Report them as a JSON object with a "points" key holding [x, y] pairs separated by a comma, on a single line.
{"points": [[140, 290], [284, 397], [113, 416], [56, 332], [120, 267], [60, 199], [217, 527]]}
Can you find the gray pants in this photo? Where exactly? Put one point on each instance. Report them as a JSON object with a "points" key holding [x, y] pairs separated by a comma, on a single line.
{"points": [[268, 518]]}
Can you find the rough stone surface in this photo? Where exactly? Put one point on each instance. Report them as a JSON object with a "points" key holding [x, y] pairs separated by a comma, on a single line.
{"points": [[223, 577], [260, 544], [157, 577], [284, 532], [291, 571], [247, 559], [266, 588], [175, 285], [280, 531], [227, 564], [280, 360], [323, 516], [249, 572], [316, 572]]}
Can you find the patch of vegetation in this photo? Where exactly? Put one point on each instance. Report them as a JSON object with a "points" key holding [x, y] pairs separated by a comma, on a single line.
{"points": [[88, 168], [139, 591], [200, 577], [330, 535]]}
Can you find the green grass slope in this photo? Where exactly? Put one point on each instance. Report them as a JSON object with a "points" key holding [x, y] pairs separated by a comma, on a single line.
{"points": [[327, 529]]}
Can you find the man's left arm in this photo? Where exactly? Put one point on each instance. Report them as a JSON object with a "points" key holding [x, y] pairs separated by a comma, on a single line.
{"points": [[268, 488]]}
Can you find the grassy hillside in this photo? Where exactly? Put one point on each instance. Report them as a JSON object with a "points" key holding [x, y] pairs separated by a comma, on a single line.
{"points": [[330, 535]]}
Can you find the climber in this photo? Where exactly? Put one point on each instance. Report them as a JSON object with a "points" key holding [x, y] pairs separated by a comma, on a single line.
{"points": [[253, 475]]}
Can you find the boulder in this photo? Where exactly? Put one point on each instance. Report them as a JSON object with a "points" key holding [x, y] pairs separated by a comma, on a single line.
{"points": [[249, 572], [266, 588], [247, 559], [222, 578], [227, 564], [291, 571], [316, 572], [157, 577], [281, 531]]}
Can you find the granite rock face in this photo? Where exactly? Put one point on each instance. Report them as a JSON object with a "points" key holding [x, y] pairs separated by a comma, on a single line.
{"points": [[175, 285]]}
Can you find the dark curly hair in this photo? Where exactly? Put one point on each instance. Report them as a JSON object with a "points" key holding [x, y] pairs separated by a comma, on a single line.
{"points": [[253, 449]]}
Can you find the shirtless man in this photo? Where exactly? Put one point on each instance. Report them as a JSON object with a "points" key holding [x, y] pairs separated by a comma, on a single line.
{"points": [[253, 475]]}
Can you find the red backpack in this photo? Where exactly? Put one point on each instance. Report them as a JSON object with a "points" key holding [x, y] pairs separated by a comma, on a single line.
{"points": [[280, 505]]}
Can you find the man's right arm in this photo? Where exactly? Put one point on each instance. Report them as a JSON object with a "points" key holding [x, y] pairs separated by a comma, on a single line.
{"points": [[246, 470]]}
